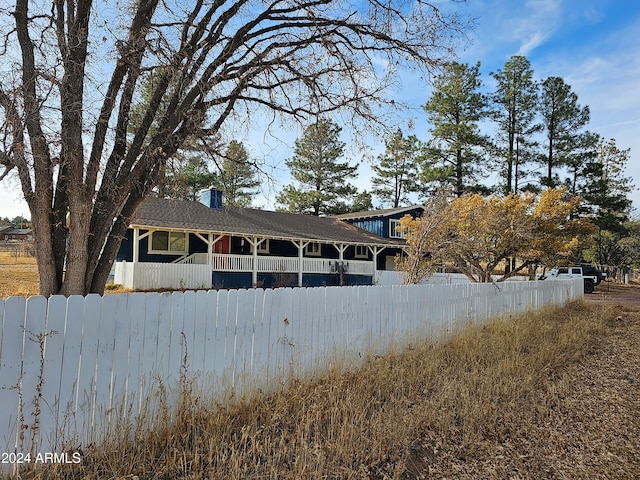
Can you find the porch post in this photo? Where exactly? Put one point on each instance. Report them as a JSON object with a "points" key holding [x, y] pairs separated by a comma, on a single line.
{"points": [[136, 244], [254, 262], [210, 248], [300, 261], [300, 244], [341, 249], [375, 250]]}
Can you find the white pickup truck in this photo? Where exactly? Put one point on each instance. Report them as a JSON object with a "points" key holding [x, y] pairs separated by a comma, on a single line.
{"points": [[591, 275]]}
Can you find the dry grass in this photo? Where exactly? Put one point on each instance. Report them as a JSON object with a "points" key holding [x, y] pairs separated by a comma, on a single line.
{"points": [[483, 405], [18, 275]]}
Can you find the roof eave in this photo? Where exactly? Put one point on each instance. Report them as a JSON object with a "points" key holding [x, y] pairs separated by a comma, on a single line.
{"points": [[269, 236]]}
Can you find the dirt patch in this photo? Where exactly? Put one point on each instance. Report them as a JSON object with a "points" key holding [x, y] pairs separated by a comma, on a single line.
{"points": [[615, 294]]}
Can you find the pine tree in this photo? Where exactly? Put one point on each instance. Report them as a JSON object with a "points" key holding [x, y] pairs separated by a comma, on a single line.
{"points": [[362, 202], [605, 187], [396, 170], [238, 178], [187, 171], [456, 107], [562, 120], [184, 177], [515, 103], [321, 179]]}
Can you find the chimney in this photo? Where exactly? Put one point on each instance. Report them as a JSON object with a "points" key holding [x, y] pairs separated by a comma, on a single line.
{"points": [[211, 197]]}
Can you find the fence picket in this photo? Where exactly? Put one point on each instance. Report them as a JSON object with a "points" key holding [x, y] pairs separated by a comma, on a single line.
{"points": [[97, 344], [136, 351], [200, 331], [54, 364], [163, 322], [215, 346], [34, 324], [149, 358], [219, 366], [10, 369], [243, 338], [174, 329]]}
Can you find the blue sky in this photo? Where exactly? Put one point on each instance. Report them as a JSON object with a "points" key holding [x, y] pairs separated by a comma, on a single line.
{"points": [[592, 44]]}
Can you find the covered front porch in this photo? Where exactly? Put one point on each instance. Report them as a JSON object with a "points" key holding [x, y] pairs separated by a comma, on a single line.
{"points": [[265, 261], [198, 270]]}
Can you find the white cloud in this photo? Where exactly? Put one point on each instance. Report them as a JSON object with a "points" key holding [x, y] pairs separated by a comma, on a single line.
{"points": [[540, 20]]}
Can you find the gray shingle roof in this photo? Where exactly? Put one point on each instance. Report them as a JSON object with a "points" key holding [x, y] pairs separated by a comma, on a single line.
{"points": [[16, 231], [187, 215]]}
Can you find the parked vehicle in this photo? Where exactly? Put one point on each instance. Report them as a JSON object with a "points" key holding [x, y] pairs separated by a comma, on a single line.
{"points": [[591, 275]]}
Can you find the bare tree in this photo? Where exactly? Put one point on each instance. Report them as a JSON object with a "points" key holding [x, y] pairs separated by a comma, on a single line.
{"points": [[65, 118]]}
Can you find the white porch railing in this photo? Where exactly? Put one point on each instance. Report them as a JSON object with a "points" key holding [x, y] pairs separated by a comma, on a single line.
{"points": [[231, 263], [194, 271], [244, 263], [193, 259]]}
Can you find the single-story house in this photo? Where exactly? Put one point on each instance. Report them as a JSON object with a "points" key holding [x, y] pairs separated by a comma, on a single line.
{"points": [[169, 240], [19, 234], [384, 222]]}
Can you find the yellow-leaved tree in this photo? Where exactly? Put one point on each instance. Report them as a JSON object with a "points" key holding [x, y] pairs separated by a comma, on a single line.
{"points": [[476, 233]]}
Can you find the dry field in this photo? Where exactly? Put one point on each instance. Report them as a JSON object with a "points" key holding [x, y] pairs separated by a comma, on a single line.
{"points": [[18, 275], [550, 395]]}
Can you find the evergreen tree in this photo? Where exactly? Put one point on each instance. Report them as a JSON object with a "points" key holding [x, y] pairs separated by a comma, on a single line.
{"points": [[605, 187], [362, 202], [321, 179], [396, 170], [238, 178], [454, 155], [20, 222], [515, 102], [186, 172], [562, 120], [183, 178]]}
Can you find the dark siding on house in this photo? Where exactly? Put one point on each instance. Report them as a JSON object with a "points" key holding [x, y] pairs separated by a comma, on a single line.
{"points": [[374, 226], [278, 248], [196, 245], [275, 280], [125, 254], [380, 225]]}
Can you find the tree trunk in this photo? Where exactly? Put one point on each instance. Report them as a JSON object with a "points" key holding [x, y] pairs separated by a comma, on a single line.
{"points": [[77, 253], [45, 258]]}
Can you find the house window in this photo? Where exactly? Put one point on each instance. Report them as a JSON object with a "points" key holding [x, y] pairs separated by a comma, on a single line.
{"points": [[168, 242], [312, 249], [394, 229], [362, 251], [263, 247]]}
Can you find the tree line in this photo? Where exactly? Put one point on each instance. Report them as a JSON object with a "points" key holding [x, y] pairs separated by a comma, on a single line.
{"points": [[538, 139]]}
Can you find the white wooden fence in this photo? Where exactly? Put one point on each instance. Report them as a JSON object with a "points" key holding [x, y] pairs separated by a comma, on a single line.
{"points": [[392, 277], [72, 367]]}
